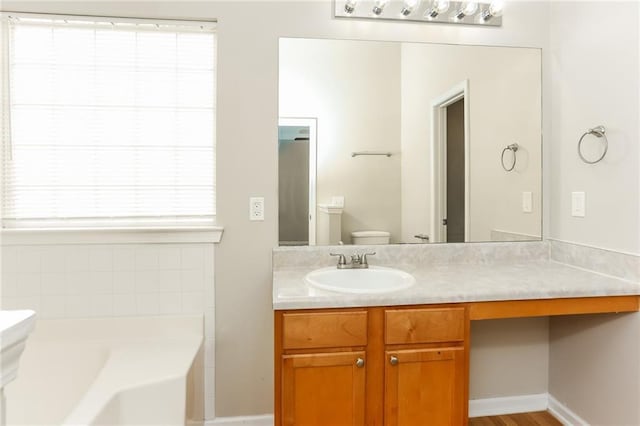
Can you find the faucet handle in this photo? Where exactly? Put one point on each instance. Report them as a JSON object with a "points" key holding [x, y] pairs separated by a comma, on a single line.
{"points": [[341, 259], [364, 257]]}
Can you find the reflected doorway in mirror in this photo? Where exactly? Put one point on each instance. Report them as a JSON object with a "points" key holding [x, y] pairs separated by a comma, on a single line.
{"points": [[297, 181], [450, 165]]}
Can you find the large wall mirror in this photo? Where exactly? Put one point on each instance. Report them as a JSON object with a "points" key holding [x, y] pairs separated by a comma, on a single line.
{"points": [[408, 143]]}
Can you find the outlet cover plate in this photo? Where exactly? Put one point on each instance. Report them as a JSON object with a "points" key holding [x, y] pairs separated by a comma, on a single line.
{"points": [[256, 208]]}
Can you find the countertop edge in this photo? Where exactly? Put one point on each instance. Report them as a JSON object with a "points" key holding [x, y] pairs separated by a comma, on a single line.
{"points": [[468, 284]]}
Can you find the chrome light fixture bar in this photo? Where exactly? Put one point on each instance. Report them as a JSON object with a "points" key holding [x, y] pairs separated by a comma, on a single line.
{"points": [[436, 11]]}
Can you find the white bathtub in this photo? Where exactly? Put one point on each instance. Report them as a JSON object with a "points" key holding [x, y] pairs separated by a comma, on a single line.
{"points": [[115, 371]]}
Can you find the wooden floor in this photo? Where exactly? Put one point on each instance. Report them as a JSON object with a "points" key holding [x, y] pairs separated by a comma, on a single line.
{"points": [[540, 418]]}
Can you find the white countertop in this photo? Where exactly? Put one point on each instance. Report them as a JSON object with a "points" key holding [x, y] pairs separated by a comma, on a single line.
{"points": [[454, 283]]}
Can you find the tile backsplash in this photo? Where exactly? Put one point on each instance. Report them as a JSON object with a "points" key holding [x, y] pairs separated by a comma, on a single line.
{"points": [[115, 280]]}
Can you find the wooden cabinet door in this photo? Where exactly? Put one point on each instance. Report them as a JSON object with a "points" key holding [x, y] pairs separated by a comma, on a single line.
{"points": [[424, 387], [323, 389]]}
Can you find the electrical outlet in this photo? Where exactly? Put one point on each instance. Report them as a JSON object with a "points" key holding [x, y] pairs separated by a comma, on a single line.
{"points": [[578, 208], [256, 208], [527, 202]]}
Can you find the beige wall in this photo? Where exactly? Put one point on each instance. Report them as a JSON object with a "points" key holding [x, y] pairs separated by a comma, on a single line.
{"points": [[353, 89], [505, 108], [594, 365], [509, 357], [247, 152], [594, 69]]}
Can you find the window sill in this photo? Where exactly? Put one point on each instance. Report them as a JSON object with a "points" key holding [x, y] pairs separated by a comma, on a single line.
{"points": [[195, 234]]}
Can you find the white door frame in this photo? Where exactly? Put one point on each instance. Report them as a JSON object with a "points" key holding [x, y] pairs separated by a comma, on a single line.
{"points": [[438, 145], [312, 124]]}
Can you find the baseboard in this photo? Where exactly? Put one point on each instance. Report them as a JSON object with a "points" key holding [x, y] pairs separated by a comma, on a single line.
{"points": [[564, 414], [264, 420], [508, 405], [477, 408]]}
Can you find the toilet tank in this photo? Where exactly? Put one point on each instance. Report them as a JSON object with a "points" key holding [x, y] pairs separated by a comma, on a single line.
{"points": [[370, 237]]}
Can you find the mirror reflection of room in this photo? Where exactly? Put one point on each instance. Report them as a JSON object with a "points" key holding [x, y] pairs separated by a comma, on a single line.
{"points": [[385, 142], [293, 180]]}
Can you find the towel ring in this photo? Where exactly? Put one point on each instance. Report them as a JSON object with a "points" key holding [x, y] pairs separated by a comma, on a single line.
{"points": [[599, 132], [514, 148]]}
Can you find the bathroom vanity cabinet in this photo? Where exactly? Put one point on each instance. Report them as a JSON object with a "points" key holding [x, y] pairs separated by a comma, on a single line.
{"points": [[425, 365], [400, 366], [402, 357], [396, 365], [324, 363]]}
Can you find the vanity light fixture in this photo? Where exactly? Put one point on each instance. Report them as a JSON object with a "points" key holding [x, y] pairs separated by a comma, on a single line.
{"points": [[378, 6], [467, 8], [451, 12], [437, 7], [493, 11], [350, 6], [409, 6]]}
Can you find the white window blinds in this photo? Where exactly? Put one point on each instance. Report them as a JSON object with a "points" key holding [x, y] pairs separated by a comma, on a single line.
{"points": [[108, 123]]}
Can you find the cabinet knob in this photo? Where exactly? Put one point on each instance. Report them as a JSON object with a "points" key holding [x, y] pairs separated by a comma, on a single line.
{"points": [[393, 360], [360, 363]]}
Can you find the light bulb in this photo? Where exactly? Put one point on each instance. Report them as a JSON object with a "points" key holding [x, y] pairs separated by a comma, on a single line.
{"points": [[409, 6], [437, 7], [350, 6], [379, 5], [441, 5], [494, 10], [468, 8]]}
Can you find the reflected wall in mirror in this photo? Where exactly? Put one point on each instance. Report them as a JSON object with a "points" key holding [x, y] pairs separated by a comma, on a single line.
{"points": [[408, 143]]}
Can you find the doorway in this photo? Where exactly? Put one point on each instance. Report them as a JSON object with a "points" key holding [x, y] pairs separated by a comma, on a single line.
{"points": [[450, 165], [296, 181], [455, 180]]}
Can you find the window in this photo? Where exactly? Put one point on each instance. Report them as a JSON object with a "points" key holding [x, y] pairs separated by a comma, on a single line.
{"points": [[107, 122]]}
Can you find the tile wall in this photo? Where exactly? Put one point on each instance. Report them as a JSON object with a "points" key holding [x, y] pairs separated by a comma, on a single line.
{"points": [[116, 280]]}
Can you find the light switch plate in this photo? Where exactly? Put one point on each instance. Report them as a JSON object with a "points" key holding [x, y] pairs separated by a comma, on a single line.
{"points": [[256, 208], [527, 202], [578, 204]]}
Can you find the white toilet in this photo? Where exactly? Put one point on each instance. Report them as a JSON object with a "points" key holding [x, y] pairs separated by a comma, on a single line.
{"points": [[370, 237]]}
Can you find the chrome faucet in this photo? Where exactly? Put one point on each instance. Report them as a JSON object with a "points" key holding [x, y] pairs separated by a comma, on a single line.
{"points": [[358, 261]]}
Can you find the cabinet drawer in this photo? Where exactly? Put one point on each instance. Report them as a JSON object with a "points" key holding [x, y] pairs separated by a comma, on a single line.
{"points": [[403, 326], [324, 329]]}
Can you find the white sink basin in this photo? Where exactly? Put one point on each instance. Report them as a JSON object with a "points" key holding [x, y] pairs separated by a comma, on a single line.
{"points": [[15, 326], [375, 279]]}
